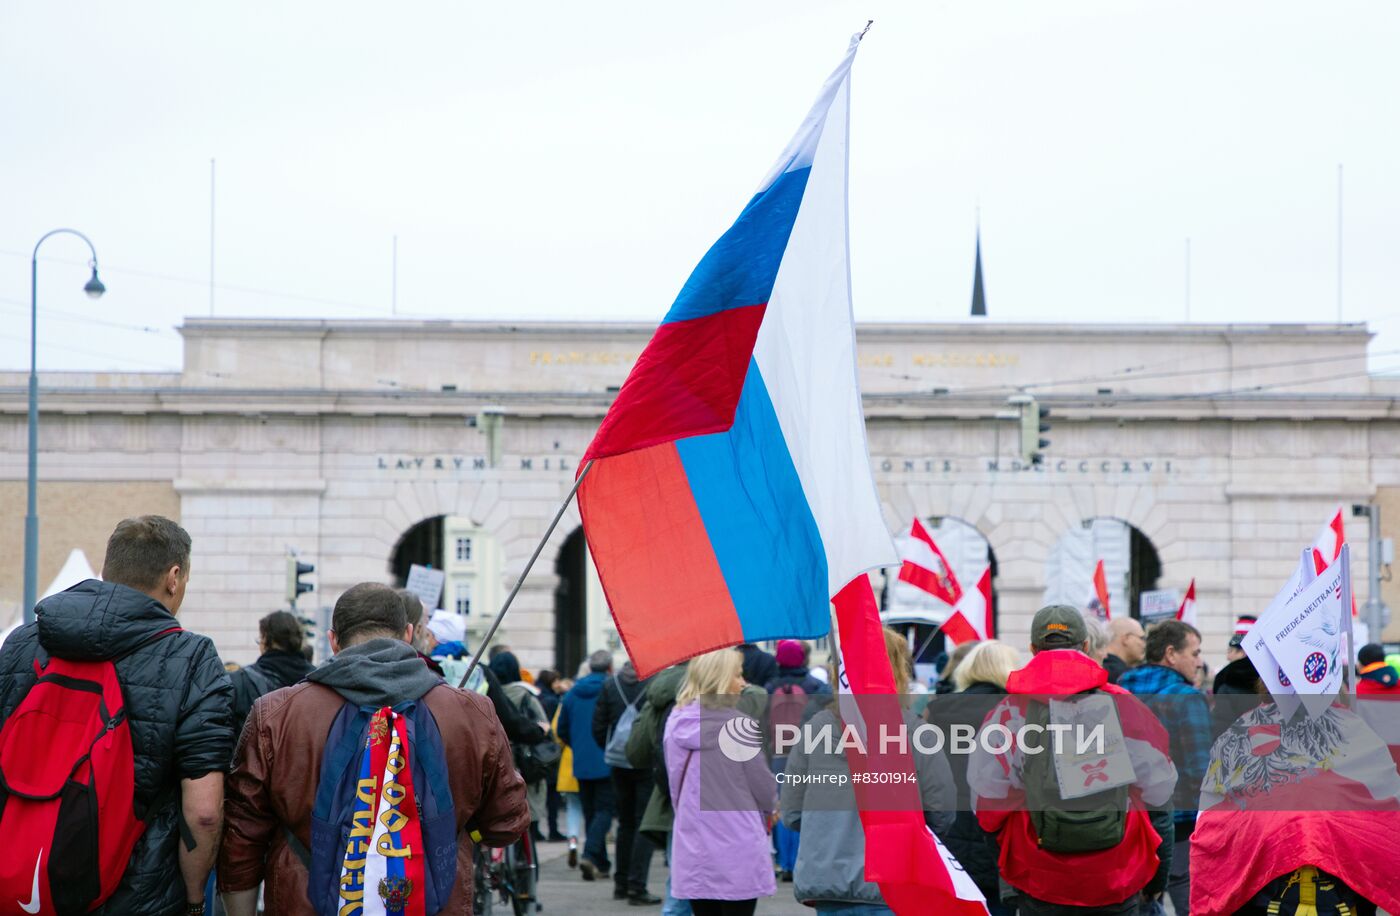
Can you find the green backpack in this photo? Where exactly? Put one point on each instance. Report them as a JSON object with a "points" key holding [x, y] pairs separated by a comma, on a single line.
{"points": [[1086, 824]]}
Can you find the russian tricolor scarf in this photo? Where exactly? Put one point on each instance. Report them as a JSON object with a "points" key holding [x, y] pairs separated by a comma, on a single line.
{"points": [[382, 872]]}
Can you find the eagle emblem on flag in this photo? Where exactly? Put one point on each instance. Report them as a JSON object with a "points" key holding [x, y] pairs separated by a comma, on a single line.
{"points": [[395, 893]]}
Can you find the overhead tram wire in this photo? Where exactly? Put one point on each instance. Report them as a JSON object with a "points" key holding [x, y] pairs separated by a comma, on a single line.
{"points": [[1224, 393], [60, 315], [229, 287], [1285, 364], [164, 367], [1129, 373]]}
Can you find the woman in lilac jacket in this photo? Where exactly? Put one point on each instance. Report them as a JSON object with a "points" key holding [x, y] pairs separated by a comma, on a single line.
{"points": [[720, 859]]}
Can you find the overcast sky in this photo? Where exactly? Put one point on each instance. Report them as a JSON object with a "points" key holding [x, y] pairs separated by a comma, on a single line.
{"points": [[575, 159]]}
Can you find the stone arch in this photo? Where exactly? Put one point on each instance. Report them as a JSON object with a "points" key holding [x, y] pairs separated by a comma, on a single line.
{"points": [[421, 543], [1132, 564]]}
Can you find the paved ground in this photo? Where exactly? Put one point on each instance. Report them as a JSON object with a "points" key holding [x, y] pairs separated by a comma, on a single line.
{"points": [[564, 893]]}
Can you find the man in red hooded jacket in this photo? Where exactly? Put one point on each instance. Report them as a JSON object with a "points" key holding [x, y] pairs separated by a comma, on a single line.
{"points": [[1107, 881]]}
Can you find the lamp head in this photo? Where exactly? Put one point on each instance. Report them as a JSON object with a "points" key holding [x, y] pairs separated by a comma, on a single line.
{"points": [[94, 287]]}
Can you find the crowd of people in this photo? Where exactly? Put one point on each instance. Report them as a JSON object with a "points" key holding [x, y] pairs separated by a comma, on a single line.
{"points": [[273, 781]]}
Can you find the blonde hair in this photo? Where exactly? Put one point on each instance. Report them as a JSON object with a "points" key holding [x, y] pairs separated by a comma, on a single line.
{"points": [[710, 675], [901, 659], [990, 661]]}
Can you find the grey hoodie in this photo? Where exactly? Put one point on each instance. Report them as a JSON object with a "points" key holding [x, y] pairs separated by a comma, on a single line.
{"points": [[379, 672], [831, 857]]}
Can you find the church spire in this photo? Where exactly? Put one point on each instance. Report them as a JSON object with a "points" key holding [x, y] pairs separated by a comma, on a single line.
{"points": [[979, 296]]}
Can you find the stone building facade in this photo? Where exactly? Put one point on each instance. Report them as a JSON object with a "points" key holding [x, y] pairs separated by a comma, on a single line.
{"points": [[1223, 447]]}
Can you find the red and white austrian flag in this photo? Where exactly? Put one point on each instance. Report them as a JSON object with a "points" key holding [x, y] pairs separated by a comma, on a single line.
{"points": [[1327, 546], [1187, 612], [924, 566], [971, 620], [1264, 739]]}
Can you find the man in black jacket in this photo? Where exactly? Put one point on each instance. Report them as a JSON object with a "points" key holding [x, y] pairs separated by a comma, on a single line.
{"points": [[281, 664], [178, 704], [631, 787]]}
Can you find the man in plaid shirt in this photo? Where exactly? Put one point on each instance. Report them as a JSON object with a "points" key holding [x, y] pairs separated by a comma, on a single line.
{"points": [[1167, 685]]}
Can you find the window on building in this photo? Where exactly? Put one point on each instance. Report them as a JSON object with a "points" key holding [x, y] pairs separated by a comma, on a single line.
{"points": [[464, 604], [464, 550]]}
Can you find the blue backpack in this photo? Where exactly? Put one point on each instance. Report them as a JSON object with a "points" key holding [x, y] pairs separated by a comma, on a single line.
{"points": [[344, 763]]}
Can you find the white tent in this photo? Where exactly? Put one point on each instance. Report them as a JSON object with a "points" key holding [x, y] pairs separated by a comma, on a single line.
{"points": [[75, 569]]}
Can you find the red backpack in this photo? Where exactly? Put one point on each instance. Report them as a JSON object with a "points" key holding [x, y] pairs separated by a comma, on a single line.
{"points": [[67, 778]]}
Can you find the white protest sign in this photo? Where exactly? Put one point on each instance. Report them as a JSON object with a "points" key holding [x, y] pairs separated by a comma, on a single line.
{"points": [[1098, 766], [1158, 605], [427, 584], [1256, 647], [1305, 635]]}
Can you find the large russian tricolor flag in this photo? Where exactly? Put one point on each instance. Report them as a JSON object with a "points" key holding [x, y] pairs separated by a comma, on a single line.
{"points": [[730, 494]]}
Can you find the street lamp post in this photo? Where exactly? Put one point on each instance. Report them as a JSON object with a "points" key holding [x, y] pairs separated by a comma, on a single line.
{"points": [[94, 289]]}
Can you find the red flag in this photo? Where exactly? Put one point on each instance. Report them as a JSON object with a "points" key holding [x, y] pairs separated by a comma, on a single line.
{"points": [[914, 870], [1101, 590], [926, 568], [1327, 546], [972, 618], [1187, 612]]}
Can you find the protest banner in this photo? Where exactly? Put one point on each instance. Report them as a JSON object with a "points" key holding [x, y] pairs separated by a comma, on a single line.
{"points": [[1304, 635], [426, 583]]}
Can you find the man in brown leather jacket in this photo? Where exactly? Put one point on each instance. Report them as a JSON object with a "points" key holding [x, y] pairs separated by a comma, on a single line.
{"points": [[273, 785]]}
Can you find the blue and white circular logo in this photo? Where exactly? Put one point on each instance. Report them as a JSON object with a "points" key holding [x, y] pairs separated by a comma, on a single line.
{"points": [[1283, 678], [741, 739], [1315, 667]]}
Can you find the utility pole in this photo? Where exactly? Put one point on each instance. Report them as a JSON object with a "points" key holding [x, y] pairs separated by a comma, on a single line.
{"points": [[1375, 613], [211, 237]]}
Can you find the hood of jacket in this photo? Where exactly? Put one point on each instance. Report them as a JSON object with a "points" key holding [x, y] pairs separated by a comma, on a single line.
{"points": [[97, 620], [286, 668], [1058, 671], [1381, 674], [506, 667], [378, 672], [685, 729], [663, 686], [590, 685]]}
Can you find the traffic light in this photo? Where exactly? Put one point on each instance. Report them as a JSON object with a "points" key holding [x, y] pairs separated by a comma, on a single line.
{"points": [[295, 587], [1034, 421]]}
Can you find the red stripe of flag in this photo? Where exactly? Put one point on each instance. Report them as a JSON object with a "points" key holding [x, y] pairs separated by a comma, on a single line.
{"points": [[1101, 590], [902, 855]]}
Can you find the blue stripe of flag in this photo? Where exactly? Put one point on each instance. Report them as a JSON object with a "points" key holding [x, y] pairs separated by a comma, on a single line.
{"points": [[740, 268], [758, 521]]}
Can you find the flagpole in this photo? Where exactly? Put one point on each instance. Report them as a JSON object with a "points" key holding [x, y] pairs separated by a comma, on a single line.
{"points": [[486, 640], [1346, 603], [927, 641]]}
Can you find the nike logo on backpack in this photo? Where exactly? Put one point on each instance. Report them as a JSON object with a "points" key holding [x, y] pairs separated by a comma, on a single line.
{"points": [[33, 905]]}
